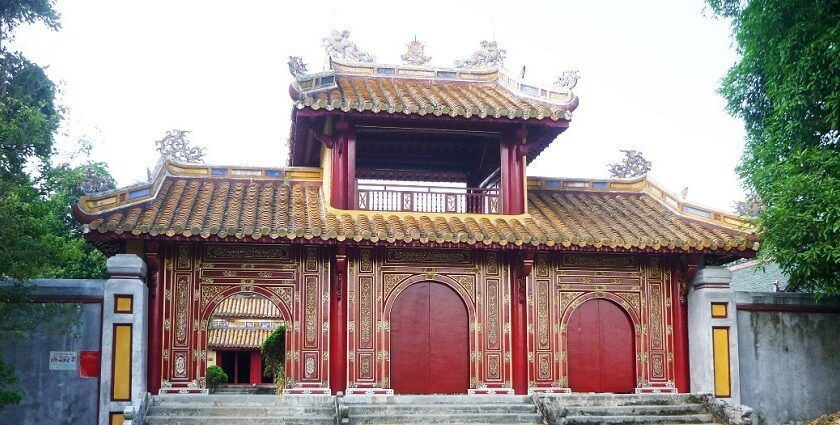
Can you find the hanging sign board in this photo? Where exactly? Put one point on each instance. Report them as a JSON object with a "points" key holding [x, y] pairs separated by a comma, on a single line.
{"points": [[63, 360]]}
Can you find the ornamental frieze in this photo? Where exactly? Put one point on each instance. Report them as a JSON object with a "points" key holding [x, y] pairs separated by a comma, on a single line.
{"points": [[256, 252], [599, 260], [442, 256]]}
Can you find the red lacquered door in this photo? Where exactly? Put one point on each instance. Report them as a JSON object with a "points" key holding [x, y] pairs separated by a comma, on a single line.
{"points": [[429, 341], [600, 347]]}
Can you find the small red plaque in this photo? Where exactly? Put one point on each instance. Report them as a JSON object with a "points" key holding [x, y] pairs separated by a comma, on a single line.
{"points": [[89, 364]]}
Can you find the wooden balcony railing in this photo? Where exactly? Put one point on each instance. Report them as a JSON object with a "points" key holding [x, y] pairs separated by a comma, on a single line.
{"points": [[397, 197]]}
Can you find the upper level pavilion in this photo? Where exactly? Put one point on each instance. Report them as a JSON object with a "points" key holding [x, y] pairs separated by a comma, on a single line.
{"points": [[466, 132]]}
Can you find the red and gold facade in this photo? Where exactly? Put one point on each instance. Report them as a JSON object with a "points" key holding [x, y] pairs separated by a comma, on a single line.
{"points": [[521, 255]]}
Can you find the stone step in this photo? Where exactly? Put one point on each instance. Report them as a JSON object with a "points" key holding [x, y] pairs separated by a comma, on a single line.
{"points": [[362, 409], [241, 411], [577, 399], [640, 419], [236, 400], [639, 409], [239, 420], [446, 418], [436, 399]]}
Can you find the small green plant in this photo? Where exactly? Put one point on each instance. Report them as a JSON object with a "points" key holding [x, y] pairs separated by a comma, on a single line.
{"points": [[215, 376], [274, 356]]}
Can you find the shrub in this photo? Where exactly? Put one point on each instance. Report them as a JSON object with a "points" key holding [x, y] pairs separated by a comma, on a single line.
{"points": [[215, 376]]}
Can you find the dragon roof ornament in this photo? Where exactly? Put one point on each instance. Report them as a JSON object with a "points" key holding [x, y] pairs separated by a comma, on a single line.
{"points": [[338, 45], [567, 79], [296, 66], [489, 56]]}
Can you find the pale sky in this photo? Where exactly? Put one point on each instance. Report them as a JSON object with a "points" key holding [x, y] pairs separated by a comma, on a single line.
{"points": [[649, 74]]}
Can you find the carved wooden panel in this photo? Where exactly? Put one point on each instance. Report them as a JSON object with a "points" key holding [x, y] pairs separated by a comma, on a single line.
{"points": [[198, 276]]}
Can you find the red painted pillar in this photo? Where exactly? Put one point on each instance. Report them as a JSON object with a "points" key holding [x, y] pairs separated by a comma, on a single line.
{"points": [[256, 367], [519, 331], [505, 170], [338, 323], [512, 165], [153, 260]]}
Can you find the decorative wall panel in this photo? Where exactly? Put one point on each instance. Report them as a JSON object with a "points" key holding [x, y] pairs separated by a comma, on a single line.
{"points": [[639, 283], [198, 276]]}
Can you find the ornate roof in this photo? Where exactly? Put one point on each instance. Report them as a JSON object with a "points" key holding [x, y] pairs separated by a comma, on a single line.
{"points": [[206, 202], [247, 308], [420, 90], [237, 337]]}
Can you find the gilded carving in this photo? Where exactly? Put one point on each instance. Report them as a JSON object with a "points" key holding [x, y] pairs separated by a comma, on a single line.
{"points": [[653, 270], [181, 309], [365, 367], [180, 365], [265, 274], [492, 314], [208, 293], [542, 265], [631, 299], [466, 282], [439, 256], [658, 367], [365, 260], [311, 309], [566, 299], [183, 262], [544, 367], [365, 312], [229, 273], [311, 262], [656, 317], [493, 368], [492, 263], [599, 260], [256, 252], [542, 313], [309, 368], [285, 294], [391, 280]]}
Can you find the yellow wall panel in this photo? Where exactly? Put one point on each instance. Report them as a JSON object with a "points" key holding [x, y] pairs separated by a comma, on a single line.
{"points": [[117, 418], [123, 303], [719, 310], [720, 344], [121, 377]]}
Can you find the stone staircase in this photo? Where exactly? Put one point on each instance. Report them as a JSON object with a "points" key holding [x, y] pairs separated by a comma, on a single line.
{"points": [[240, 409], [431, 409], [573, 409], [557, 409]]}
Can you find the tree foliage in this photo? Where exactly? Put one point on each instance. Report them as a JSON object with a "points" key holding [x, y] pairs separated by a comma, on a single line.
{"points": [[38, 238], [786, 88], [273, 353]]}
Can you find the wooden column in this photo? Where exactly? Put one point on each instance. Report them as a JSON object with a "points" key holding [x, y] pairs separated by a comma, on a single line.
{"points": [[153, 260], [512, 187], [256, 367], [338, 323], [520, 270], [338, 192]]}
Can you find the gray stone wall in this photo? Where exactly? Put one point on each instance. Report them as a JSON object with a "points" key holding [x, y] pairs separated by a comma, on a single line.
{"points": [[789, 359], [57, 396]]}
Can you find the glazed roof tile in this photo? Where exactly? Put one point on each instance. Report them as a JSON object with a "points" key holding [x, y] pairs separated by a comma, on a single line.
{"points": [[247, 308], [417, 90], [191, 202], [237, 337]]}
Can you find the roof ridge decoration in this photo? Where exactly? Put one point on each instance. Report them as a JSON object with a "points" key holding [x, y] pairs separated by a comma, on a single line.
{"points": [[567, 79], [645, 185], [489, 56], [338, 45], [144, 191], [415, 53]]}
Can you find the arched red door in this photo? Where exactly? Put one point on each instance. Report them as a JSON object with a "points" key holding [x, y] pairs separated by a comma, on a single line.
{"points": [[429, 341], [600, 347]]}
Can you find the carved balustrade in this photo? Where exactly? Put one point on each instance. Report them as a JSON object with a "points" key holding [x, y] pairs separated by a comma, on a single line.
{"points": [[399, 197]]}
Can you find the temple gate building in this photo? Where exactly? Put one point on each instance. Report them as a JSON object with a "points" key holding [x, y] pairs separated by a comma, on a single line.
{"points": [[407, 251]]}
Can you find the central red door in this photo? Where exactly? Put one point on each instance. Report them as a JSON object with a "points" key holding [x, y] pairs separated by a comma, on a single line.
{"points": [[600, 347], [429, 341]]}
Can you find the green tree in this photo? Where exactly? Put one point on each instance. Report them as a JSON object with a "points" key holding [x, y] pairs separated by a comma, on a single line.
{"points": [[786, 88], [273, 352]]}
